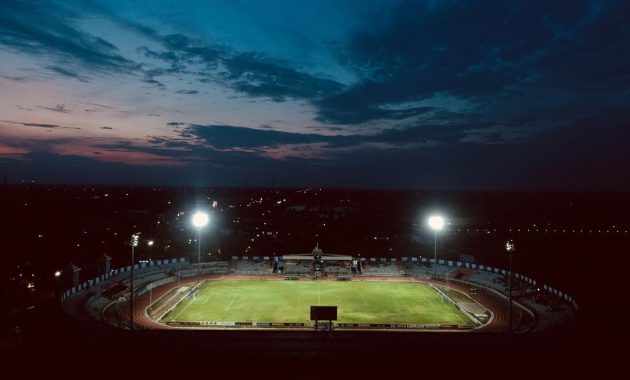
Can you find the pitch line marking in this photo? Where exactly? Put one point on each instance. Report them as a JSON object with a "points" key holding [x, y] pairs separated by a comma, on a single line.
{"points": [[203, 298], [228, 306], [408, 308], [319, 298], [182, 310], [301, 297]]}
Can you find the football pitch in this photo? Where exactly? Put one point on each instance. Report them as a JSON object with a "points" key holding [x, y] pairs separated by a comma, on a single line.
{"points": [[290, 301]]}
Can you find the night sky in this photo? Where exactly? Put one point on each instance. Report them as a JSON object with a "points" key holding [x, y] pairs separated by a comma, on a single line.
{"points": [[435, 94]]}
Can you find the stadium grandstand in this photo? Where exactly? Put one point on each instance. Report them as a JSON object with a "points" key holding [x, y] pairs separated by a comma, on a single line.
{"points": [[477, 292]]}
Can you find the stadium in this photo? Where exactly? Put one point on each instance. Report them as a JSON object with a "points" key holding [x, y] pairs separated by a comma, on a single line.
{"points": [[320, 291]]}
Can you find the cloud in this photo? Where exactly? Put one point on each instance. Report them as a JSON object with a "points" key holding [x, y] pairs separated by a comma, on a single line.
{"points": [[467, 91], [35, 125], [149, 78], [227, 136], [272, 143], [134, 153], [167, 56], [497, 134], [66, 73], [14, 78], [170, 142], [501, 57], [40, 125], [257, 76], [58, 108], [8, 151], [355, 107], [252, 74], [45, 29], [100, 105]]}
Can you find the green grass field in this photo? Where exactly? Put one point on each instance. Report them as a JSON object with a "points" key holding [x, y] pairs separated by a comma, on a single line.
{"points": [[290, 301]]}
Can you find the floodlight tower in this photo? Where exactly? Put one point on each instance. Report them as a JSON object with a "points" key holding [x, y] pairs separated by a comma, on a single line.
{"points": [[199, 220], [510, 248], [436, 222], [133, 242]]}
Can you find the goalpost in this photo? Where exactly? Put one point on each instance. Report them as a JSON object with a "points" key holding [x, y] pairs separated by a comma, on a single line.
{"points": [[194, 294], [448, 299], [190, 294]]}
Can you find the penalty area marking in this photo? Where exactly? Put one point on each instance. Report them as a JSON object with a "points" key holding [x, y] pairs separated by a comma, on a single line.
{"points": [[203, 298], [182, 310], [408, 308]]}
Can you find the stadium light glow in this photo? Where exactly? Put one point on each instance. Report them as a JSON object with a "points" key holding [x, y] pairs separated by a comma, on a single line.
{"points": [[133, 242], [200, 219], [134, 239], [510, 248], [436, 222]]}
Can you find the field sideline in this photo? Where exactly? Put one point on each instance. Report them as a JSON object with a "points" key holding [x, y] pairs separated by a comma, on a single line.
{"points": [[290, 301]]}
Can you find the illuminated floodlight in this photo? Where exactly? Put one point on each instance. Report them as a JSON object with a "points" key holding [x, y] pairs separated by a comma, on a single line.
{"points": [[200, 219], [150, 243], [57, 274], [134, 239], [436, 222], [133, 242], [509, 246]]}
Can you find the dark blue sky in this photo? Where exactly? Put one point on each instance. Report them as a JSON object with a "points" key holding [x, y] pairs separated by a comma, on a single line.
{"points": [[439, 94]]}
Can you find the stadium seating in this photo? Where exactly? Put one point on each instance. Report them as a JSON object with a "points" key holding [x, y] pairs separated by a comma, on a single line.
{"points": [[246, 267], [333, 268], [491, 280], [546, 316], [382, 269], [95, 300], [299, 267], [95, 306]]}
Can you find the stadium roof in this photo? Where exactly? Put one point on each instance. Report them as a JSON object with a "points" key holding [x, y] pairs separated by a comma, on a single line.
{"points": [[309, 256]]}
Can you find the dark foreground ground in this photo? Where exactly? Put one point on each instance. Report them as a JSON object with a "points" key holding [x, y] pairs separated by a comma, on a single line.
{"points": [[56, 342]]}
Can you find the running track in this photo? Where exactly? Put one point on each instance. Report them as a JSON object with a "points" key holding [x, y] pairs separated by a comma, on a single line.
{"points": [[497, 305]]}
